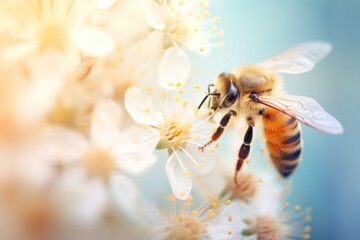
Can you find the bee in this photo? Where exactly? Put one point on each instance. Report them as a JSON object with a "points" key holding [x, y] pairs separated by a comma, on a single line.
{"points": [[253, 91]]}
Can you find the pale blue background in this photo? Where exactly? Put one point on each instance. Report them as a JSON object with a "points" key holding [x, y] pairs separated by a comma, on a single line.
{"points": [[328, 178]]}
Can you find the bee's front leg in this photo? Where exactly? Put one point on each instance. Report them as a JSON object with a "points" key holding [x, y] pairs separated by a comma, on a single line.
{"points": [[217, 134]]}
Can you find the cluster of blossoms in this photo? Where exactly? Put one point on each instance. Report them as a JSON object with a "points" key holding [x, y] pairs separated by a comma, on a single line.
{"points": [[92, 103]]}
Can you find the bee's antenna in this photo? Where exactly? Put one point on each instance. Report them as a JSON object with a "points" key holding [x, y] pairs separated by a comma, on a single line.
{"points": [[209, 94]]}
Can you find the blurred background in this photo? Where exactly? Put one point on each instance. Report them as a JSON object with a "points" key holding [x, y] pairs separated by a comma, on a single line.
{"points": [[328, 177]]}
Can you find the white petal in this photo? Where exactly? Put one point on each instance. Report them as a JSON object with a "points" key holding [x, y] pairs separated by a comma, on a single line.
{"points": [[103, 4], [179, 178], [47, 76], [205, 159], [219, 228], [92, 41], [174, 68], [134, 149], [141, 109], [80, 199], [105, 123], [124, 194], [154, 19]]}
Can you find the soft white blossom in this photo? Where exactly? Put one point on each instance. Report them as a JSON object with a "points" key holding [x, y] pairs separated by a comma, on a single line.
{"points": [[174, 131], [181, 24]]}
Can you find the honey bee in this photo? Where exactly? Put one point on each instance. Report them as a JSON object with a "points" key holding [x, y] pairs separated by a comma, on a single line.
{"points": [[253, 91]]}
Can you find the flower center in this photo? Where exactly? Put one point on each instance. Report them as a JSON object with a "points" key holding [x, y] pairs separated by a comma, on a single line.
{"points": [[175, 31], [175, 133], [186, 228], [267, 228], [99, 162], [247, 186], [53, 34]]}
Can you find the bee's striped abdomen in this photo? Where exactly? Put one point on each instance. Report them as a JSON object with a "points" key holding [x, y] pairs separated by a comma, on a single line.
{"points": [[283, 140]]}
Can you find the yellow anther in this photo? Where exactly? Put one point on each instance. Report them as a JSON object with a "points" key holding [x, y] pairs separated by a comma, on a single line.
{"points": [[286, 204], [217, 19], [147, 110], [171, 198], [229, 232], [181, 91], [206, 13], [220, 33], [307, 229], [230, 218], [196, 29], [306, 236], [186, 173], [200, 165], [220, 44], [202, 49], [297, 207], [185, 103], [214, 28], [197, 87], [228, 202]]}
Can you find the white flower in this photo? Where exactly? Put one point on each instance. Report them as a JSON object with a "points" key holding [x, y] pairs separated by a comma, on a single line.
{"points": [[180, 24], [175, 132], [95, 176], [29, 88], [184, 222], [50, 24]]}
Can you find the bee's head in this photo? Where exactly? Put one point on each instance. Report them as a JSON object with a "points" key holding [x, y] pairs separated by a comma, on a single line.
{"points": [[225, 93]]}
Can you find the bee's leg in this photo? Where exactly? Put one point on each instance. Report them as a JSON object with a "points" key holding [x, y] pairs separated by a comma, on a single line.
{"points": [[245, 148], [223, 123]]}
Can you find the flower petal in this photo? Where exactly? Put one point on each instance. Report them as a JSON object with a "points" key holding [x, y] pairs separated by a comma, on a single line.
{"points": [[141, 109], [47, 75], [80, 199], [134, 149], [174, 68], [154, 20], [105, 123], [205, 159], [92, 41], [103, 4], [219, 228], [125, 195], [179, 177]]}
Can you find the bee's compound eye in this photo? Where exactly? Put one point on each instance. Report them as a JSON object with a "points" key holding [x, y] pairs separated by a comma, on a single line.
{"points": [[231, 96]]}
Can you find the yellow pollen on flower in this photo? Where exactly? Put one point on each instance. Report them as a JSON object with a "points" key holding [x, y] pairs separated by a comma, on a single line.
{"points": [[147, 110], [220, 44], [99, 162], [228, 202], [175, 31], [186, 228], [206, 13], [220, 33], [217, 19], [197, 87], [214, 28], [174, 132], [186, 173], [202, 49], [185, 103]]}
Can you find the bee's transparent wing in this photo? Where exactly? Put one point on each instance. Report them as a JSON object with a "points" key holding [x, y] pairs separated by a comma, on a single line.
{"points": [[304, 109], [299, 59]]}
